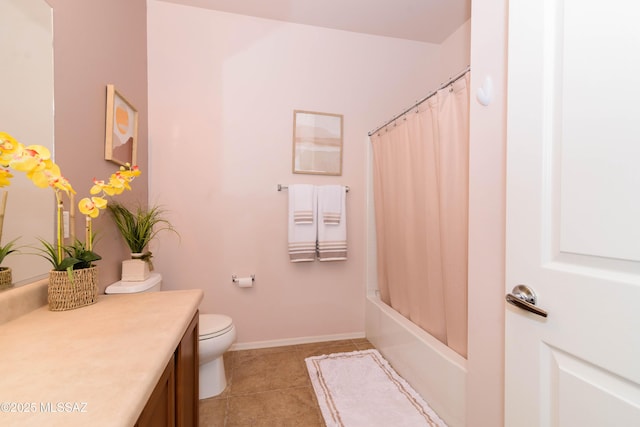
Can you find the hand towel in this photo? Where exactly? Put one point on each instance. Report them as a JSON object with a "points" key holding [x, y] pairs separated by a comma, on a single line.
{"points": [[302, 223], [332, 235], [332, 203], [303, 197]]}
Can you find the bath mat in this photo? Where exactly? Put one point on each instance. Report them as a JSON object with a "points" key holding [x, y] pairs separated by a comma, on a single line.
{"points": [[361, 389]]}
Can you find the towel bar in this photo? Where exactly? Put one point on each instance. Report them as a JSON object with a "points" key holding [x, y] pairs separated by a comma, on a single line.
{"points": [[286, 187]]}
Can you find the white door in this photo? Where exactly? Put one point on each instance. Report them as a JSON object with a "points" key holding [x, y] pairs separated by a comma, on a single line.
{"points": [[573, 213]]}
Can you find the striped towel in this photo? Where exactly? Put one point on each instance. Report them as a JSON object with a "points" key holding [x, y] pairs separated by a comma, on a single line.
{"points": [[332, 231], [302, 223], [332, 196]]}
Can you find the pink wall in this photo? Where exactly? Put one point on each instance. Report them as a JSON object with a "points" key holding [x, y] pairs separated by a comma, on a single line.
{"points": [[224, 86], [222, 90], [96, 43], [455, 52], [485, 392]]}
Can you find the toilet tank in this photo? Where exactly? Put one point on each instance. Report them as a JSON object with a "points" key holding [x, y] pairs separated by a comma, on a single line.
{"points": [[152, 284]]}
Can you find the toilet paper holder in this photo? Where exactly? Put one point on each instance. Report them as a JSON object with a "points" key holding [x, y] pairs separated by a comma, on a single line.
{"points": [[236, 279]]}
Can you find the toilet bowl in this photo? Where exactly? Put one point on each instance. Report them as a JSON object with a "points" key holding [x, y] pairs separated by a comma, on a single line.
{"points": [[216, 333]]}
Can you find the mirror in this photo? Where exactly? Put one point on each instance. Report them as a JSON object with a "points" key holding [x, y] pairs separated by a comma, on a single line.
{"points": [[26, 85]]}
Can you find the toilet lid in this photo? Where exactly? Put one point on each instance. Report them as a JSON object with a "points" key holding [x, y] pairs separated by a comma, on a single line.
{"points": [[212, 325], [128, 287]]}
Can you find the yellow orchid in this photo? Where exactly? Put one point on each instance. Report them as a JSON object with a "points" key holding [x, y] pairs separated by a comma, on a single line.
{"points": [[31, 159], [39, 175], [117, 185], [35, 161], [62, 183], [98, 186], [128, 174], [50, 176], [91, 206], [118, 182], [4, 177], [8, 146], [114, 187], [24, 161]]}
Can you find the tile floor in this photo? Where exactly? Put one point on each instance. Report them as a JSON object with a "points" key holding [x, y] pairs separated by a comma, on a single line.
{"points": [[270, 387]]}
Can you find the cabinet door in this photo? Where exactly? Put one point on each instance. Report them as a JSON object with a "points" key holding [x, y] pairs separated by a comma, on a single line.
{"points": [[160, 409], [187, 371]]}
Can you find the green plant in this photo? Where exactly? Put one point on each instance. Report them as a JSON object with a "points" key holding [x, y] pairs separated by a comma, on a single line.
{"points": [[138, 227], [7, 249], [76, 256]]}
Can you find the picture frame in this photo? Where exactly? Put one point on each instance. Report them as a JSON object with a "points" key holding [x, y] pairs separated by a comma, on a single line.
{"points": [[121, 131], [317, 143]]}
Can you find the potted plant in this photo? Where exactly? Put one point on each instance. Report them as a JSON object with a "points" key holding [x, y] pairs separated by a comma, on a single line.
{"points": [[138, 227], [73, 280], [6, 279], [77, 256], [66, 291]]}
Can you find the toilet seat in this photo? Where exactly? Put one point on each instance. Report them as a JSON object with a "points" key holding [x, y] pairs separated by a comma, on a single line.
{"points": [[213, 325]]}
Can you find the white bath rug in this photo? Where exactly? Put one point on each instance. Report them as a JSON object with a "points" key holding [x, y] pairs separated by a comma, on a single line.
{"points": [[361, 389]]}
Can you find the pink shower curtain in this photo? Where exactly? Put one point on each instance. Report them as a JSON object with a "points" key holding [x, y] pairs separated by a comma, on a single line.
{"points": [[421, 191]]}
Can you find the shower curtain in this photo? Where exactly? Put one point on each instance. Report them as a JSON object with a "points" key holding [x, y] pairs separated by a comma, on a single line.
{"points": [[421, 191]]}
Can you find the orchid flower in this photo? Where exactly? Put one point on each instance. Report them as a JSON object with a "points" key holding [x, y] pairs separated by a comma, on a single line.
{"points": [[91, 206], [8, 146], [31, 159], [35, 161], [118, 182], [4, 177]]}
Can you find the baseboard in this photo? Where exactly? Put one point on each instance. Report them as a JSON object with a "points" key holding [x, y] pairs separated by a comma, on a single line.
{"points": [[293, 341]]}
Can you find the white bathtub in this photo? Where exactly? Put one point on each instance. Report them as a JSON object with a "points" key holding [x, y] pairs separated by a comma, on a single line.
{"points": [[433, 369]]}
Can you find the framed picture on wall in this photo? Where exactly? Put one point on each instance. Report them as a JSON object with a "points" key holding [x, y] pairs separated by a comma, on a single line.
{"points": [[317, 143], [121, 136]]}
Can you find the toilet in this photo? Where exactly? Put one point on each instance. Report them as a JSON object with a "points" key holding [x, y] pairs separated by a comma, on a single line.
{"points": [[216, 334]]}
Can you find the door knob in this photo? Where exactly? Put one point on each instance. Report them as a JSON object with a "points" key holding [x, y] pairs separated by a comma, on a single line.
{"points": [[523, 297]]}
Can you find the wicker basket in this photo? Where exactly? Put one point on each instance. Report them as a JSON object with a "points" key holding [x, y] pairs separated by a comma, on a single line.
{"points": [[6, 279], [64, 294]]}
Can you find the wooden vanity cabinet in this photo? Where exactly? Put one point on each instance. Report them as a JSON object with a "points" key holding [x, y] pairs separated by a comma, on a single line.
{"points": [[160, 409], [187, 373], [174, 401]]}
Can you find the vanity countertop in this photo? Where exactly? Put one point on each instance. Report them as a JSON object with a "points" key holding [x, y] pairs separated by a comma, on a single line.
{"points": [[92, 366]]}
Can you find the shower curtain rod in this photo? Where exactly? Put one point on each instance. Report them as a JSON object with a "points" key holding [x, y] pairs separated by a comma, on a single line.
{"points": [[442, 86]]}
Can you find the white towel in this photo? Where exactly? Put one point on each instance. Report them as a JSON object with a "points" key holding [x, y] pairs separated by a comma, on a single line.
{"points": [[302, 223], [332, 199], [302, 199], [332, 235]]}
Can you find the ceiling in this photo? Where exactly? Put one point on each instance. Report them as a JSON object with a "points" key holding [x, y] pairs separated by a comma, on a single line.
{"points": [[429, 21]]}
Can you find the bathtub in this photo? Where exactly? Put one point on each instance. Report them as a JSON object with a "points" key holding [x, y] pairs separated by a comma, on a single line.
{"points": [[435, 371]]}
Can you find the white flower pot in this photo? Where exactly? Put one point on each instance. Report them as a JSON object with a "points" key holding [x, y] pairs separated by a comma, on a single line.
{"points": [[135, 270]]}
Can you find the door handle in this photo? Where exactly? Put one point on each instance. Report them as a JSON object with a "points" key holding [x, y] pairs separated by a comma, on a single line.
{"points": [[523, 297]]}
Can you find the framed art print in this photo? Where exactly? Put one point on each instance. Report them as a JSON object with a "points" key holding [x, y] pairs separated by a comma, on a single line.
{"points": [[317, 143], [121, 136]]}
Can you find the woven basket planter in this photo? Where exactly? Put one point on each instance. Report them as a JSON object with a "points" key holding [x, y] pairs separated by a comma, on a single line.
{"points": [[65, 294], [6, 279]]}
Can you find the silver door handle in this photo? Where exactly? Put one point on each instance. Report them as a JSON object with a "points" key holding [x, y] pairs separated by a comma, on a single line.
{"points": [[523, 297]]}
